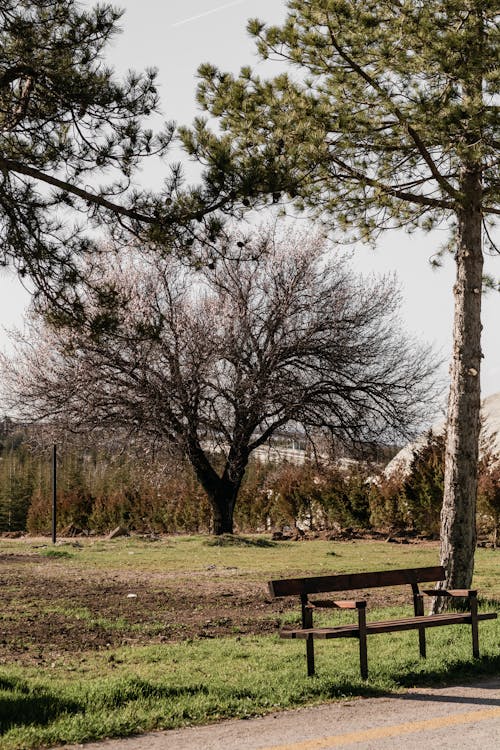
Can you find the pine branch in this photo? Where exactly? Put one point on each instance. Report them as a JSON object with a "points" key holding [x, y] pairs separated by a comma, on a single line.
{"points": [[421, 200], [445, 185]]}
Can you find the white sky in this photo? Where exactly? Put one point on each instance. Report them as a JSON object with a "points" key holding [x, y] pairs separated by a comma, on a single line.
{"points": [[176, 37]]}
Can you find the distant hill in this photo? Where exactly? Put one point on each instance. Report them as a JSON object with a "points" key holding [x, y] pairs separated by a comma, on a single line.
{"points": [[490, 414]]}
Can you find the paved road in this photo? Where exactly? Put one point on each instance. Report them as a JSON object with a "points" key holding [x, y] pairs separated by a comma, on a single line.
{"points": [[458, 718]]}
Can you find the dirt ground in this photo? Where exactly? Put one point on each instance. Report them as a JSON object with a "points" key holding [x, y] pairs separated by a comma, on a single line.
{"points": [[49, 609]]}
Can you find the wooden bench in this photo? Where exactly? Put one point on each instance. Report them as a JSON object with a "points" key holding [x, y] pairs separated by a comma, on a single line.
{"points": [[304, 587]]}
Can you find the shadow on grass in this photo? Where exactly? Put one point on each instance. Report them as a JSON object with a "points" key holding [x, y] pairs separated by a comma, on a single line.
{"points": [[230, 540], [136, 689], [453, 673], [21, 705], [336, 690]]}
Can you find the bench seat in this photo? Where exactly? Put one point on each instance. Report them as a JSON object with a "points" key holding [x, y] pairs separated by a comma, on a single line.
{"points": [[387, 626]]}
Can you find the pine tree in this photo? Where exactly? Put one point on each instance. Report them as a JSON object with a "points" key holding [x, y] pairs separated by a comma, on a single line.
{"points": [[17, 480], [387, 119], [67, 123], [422, 491]]}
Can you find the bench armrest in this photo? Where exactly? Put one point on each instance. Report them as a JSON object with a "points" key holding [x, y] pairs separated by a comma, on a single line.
{"points": [[451, 592], [342, 604]]}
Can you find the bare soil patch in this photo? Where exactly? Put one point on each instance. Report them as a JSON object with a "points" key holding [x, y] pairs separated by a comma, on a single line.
{"points": [[50, 609]]}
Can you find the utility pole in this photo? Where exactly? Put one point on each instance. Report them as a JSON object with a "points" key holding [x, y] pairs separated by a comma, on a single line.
{"points": [[54, 493]]}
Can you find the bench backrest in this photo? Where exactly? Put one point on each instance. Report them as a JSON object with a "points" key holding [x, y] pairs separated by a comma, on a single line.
{"points": [[354, 581]]}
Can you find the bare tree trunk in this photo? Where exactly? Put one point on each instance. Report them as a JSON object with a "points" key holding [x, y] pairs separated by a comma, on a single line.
{"points": [[222, 495], [222, 491], [458, 516], [223, 502]]}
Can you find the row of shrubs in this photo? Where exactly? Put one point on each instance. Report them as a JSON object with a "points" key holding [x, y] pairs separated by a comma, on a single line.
{"points": [[160, 494]]}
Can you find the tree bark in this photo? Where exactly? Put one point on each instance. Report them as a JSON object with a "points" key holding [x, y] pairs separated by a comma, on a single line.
{"points": [[222, 491], [458, 516], [223, 502]]}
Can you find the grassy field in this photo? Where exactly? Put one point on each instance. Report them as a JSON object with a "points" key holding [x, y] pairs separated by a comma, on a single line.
{"points": [[111, 638]]}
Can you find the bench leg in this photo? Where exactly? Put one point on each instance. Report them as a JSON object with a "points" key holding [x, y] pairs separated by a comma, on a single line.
{"points": [[363, 651], [310, 655], [421, 631], [474, 625], [421, 642], [418, 603], [307, 622]]}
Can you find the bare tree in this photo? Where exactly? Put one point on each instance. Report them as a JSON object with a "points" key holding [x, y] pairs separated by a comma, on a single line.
{"points": [[216, 361]]}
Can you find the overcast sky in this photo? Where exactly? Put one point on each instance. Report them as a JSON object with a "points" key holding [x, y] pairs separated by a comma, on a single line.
{"points": [[176, 37]]}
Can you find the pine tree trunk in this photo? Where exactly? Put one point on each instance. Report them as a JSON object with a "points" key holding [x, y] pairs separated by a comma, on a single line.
{"points": [[458, 516]]}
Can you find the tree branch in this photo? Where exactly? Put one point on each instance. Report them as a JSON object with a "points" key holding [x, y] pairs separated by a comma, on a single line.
{"points": [[11, 165], [442, 181], [421, 200]]}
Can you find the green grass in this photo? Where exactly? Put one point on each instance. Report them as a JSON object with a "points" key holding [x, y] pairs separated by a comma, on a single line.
{"points": [[134, 690], [82, 614], [253, 556], [57, 553], [87, 696]]}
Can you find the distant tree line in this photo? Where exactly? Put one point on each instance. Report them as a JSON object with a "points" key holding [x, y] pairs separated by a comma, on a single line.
{"points": [[413, 497], [99, 490]]}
